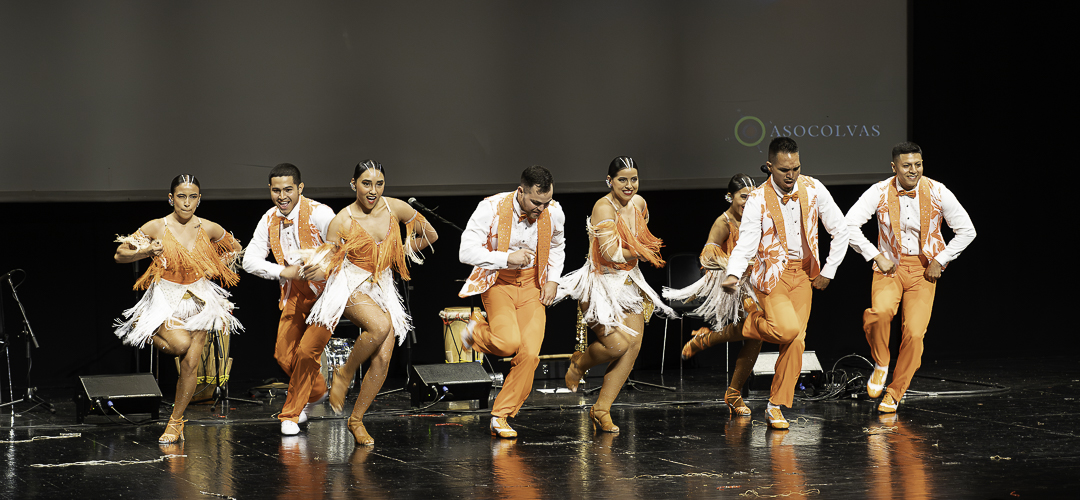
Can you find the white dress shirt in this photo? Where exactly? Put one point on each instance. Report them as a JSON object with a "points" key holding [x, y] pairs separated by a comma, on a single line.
{"points": [[482, 229], [255, 256], [792, 213], [910, 243]]}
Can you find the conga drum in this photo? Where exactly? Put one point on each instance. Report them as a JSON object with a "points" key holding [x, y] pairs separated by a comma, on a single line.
{"points": [[454, 321]]}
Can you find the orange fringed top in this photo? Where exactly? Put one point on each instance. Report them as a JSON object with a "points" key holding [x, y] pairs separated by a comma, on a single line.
{"points": [[715, 255], [643, 243], [375, 257], [211, 260]]}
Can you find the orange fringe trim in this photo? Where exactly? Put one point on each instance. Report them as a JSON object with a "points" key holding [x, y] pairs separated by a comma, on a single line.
{"points": [[644, 244], [211, 260], [362, 250]]}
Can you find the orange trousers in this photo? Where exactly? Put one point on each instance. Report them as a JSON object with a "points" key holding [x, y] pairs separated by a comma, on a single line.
{"points": [[782, 320], [514, 327], [298, 350], [908, 284]]}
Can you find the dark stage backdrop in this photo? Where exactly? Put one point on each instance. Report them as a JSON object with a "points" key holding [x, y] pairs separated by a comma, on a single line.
{"points": [[107, 98]]}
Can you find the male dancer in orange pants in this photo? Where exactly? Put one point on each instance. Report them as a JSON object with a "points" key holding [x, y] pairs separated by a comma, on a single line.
{"points": [[779, 231], [294, 223], [908, 261], [514, 241]]}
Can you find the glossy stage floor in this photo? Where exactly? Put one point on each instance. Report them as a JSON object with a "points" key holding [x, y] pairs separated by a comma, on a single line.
{"points": [[976, 429]]}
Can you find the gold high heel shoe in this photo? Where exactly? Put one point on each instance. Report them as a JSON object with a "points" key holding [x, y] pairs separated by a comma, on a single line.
{"points": [[735, 404], [174, 432], [359, 432], [339, 389], [573, 375], [602, 421]]}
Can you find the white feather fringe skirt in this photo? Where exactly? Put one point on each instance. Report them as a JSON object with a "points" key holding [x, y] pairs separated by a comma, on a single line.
{"points": [[202, 305], [351, 279], [718, 307], [612, 294]]}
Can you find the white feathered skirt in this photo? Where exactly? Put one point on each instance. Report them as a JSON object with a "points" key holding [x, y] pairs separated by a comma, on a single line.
{"points": [[612, 294], [340, 288], [202, 305], [718, 307]]}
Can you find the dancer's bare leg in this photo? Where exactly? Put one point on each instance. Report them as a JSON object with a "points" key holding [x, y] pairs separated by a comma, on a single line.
{"points": [[187, 346], [375, 343]]}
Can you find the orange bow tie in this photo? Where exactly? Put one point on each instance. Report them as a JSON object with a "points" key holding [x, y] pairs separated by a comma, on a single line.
{"points": [[284, 221], [789, 197], [909, 194], [524, 217]]}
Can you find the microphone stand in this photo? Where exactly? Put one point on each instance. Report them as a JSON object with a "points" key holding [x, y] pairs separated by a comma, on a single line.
{"points": [[31, 341], [410, 338]]}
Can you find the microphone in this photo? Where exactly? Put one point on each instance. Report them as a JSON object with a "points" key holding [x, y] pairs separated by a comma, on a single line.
{"points": [[417, 204], [7, 275]]}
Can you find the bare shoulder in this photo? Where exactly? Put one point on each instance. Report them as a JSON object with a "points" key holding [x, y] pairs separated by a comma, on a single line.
{"points": [[154, 229], [401, 209], [639, 202], [212, 229], [602, 209]]}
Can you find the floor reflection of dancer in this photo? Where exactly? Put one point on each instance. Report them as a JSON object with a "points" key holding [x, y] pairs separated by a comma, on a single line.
{"points": [[718, 307], [360, 284], [515, 243], [295, 224], [614, 298], [181, 303], [779, 236]]}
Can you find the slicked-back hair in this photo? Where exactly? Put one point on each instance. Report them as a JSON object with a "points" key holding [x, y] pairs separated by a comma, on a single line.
{"points": [[183, 179], [285, 170], [619, 164], [536, 176], [905, 148], [782, 145], [366, 165], [739, 181]]}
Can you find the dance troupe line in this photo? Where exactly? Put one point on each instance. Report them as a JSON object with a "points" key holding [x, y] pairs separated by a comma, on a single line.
{"points": [[760, 266]]}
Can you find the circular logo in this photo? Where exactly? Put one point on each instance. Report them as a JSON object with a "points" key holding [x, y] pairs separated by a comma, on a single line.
{"points": [[749, 131]]}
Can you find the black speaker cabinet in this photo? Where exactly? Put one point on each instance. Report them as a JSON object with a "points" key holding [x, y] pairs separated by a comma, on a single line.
{"points": [[451, 382], [126, 394]]}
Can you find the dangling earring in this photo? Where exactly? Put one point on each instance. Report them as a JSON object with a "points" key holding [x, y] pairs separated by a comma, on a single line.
{"points": [[353, 186], [170, 202], [728, 197], [198, 202], [608, 182]]}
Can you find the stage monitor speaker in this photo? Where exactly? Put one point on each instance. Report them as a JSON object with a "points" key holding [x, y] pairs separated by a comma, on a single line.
{"points": [[450, 382], [126, 394], [765, 368]]}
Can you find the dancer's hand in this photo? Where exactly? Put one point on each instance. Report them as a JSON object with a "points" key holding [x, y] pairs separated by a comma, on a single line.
{"points": [[520, 258], [312, 272], [730, 283], [886, 266], [547, 293], [291, 272], [933, 271], [155, 248], [821, 282]]}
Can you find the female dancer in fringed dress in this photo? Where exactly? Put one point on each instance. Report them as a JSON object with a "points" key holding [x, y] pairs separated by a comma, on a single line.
{"points": [[360, 284], [181, 303], [722, 310], [614, 298]]}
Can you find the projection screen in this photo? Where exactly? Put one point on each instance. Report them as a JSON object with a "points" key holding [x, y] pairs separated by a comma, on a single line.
{"points": [[109, 100]]}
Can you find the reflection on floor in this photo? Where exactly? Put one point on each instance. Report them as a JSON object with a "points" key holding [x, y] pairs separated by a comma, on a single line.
{"points": [[1016, 443]]}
